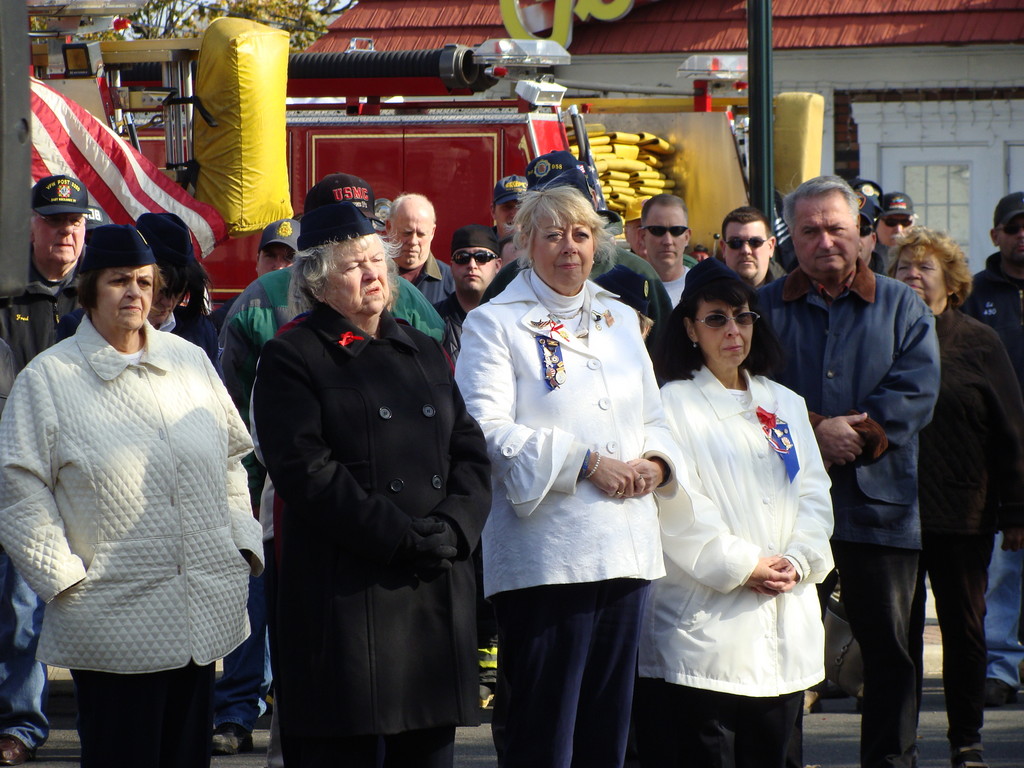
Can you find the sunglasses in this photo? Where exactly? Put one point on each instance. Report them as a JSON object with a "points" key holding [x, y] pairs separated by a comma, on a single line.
{"points": [[718, 320], [481, 257], [894, 222], [1012, 229], [738, 242], [866, 230], [659, 231]]}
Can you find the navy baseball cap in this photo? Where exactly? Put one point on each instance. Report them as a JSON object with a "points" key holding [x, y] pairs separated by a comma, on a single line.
{"points": [[558, 169], [509, 189], [283, 231], [897, 204], [59, 194], [340, 188]]}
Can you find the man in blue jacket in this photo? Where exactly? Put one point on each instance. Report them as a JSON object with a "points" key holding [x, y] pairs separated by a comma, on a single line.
{"points": [[862, 351]]}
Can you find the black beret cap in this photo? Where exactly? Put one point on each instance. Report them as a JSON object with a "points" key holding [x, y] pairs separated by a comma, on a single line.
{"points": [[168, 236], [116, 245], [474, 236], [337, 221], [705, 272]]}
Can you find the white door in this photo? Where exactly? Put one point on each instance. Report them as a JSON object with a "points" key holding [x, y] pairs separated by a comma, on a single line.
{"points": [[955, 188]]}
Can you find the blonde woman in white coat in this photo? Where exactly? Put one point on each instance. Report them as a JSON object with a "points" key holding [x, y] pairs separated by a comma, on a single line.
{"points": [[123, 503], [733, 633], [555, 371]]}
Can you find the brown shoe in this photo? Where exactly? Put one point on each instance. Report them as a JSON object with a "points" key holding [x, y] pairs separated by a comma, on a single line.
{"points": [[998, 693], [13, 751]]}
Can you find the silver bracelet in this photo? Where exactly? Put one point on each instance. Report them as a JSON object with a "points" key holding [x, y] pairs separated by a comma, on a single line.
{"points": [[597, 462]]}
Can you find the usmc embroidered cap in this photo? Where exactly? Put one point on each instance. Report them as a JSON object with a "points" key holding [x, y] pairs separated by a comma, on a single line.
{"points": [[59, 194]]}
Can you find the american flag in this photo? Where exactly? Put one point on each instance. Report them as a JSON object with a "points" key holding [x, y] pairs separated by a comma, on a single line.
{"points": [[66, 138]]}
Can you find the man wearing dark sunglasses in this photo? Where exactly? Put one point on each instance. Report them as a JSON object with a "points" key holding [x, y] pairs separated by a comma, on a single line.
{"points": [[475, 262], [664, 222], [996, 301], [747, 246], [896, 215]]}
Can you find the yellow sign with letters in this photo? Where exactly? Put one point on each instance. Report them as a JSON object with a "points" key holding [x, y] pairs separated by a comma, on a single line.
{"points": [[557, 15]]}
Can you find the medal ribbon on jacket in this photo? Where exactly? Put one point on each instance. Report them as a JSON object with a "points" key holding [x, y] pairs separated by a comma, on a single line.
{"points": [[777, 432], [551, 361]]}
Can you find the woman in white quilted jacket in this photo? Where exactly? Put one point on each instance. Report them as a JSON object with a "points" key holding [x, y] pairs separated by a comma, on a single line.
{"points": [[123, 504]]}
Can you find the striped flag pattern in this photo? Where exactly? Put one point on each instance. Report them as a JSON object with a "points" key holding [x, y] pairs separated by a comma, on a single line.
{"points": [[66, 138]]}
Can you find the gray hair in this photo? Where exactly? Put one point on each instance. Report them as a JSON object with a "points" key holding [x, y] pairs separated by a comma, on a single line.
{"points": [[410, 197], [312, 267], [564, 206], [819, 186]]}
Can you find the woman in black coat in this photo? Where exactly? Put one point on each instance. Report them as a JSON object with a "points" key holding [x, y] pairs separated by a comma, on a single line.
{"points": [[971, 479], [385, 485]]}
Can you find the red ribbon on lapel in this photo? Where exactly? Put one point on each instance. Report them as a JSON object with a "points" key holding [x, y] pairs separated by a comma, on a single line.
{"points": [[347, 338]]}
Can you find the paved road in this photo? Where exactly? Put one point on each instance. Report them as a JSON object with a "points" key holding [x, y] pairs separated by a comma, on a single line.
{"points": [[830, 737]]}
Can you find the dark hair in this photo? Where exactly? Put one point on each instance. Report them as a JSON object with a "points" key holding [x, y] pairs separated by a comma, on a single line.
{"points": [[747, 214], [87, 285], [675, 356], [190, 279]]}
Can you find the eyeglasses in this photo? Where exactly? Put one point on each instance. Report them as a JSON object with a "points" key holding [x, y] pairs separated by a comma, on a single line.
{"points": [[60, 220], [481, 257], [659, 231], [738, 242], [894, 222], [1012, 229], [718, 320], [866, 230]]}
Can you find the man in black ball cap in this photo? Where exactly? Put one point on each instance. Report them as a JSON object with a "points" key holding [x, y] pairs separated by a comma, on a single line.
{"points": [[475, 262]]}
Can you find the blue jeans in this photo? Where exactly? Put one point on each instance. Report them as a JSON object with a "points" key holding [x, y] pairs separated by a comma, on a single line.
{"points": [[22, 679], [1005, 652], [238, 696]]}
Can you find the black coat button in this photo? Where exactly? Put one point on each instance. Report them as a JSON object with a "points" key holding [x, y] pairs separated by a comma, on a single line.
{"points": [[428, 410], [396, 485], [385, 412], [436, 481]]}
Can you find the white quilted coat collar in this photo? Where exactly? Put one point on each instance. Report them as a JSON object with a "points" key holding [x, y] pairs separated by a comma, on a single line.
{"points": [[107, 363]]}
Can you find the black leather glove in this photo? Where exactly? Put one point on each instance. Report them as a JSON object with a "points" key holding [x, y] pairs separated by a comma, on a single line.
{"points": [[429, 546]]}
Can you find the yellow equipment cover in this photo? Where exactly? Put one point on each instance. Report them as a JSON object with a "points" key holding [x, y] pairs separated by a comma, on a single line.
{"points": [[242, 80]]}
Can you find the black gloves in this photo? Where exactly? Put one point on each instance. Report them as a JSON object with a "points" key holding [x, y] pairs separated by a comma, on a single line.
{"points": [[429, 546]]}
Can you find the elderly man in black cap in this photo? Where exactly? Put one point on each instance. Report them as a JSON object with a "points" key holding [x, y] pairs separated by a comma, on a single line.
{"points": [[475, 262], [28, 323]]}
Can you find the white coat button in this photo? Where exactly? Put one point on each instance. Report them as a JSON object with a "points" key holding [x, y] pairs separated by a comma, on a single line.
{"points": [[593, 364], [771, 547], [766, 500], [604, 403], [611, 447], [506, 451]]}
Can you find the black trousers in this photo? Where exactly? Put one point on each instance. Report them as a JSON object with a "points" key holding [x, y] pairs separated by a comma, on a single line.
{"points": [[878, 585], [568, 653], [957, 566], [682, 727], [152, 720], [427, 748]]}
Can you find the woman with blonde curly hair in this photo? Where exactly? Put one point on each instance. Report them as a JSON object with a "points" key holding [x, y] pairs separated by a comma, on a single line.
{"points": [[971, 480]]}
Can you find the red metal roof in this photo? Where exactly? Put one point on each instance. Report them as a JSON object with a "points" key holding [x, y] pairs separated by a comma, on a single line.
{"points": [[671, 26]]}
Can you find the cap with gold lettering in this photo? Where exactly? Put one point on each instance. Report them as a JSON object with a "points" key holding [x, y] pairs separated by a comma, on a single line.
{"points": [[59, 194]]}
